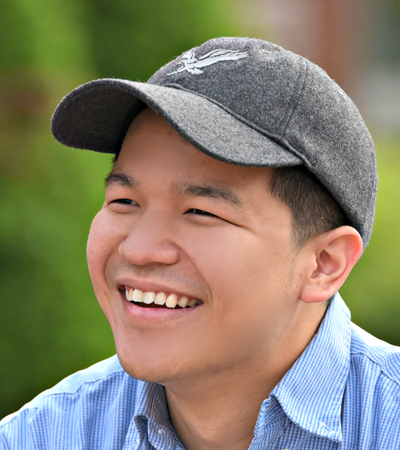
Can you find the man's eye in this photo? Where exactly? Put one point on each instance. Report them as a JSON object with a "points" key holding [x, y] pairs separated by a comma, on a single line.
{"points": [[200, 212], [124, 201]]}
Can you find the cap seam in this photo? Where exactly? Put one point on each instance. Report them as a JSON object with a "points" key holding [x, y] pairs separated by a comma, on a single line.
{"points": [[278, 139], [297, 102]]}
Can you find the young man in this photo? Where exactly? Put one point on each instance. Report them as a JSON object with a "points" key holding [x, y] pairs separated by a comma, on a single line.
{"points": [[243, 193]]}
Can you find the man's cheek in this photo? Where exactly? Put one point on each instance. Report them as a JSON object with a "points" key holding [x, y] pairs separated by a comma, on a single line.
{"points": [[100, 246], [102, 238], [93, 249], [227, 262]]}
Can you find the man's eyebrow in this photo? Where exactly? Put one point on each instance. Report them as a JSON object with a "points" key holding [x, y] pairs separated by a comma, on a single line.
{"points": [[120, 178], [209, 191]]}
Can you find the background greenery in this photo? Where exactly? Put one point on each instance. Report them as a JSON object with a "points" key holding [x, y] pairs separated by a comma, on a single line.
{"points": [[50, 323]]}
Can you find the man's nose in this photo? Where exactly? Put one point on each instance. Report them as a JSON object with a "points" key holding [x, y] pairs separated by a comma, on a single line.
{"points": [[150, 240]]}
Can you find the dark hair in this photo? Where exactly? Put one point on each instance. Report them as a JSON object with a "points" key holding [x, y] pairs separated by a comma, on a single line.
{"points": [[314, 209]]}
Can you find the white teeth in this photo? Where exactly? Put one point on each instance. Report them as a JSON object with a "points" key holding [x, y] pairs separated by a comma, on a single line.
{"points": [[148, 297], [160, 298], [172, 301], [137, 296], [129, 294], [183, 302]]}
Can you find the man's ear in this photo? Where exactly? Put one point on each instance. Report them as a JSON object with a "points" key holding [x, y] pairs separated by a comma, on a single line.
{"points": [[330, 258]]}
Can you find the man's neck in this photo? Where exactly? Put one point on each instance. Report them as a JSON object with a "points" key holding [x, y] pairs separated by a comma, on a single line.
{"points": [[220, 416], [220, 410]]}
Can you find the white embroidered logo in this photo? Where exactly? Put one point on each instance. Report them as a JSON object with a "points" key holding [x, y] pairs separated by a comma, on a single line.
{"points": [[192, 64]]}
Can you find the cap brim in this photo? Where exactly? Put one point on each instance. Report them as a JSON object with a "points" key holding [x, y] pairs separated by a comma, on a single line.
{"points": [[95, 116]]}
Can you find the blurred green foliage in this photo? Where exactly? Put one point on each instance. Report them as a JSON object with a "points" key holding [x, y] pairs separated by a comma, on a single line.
{"points": [[50, 323]]}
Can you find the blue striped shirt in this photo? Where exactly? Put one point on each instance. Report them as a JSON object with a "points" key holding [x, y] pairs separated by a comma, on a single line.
{"points": [[342, 393]]}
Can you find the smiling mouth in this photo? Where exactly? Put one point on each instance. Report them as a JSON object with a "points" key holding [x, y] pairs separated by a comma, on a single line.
{"points": [[149, 299]]}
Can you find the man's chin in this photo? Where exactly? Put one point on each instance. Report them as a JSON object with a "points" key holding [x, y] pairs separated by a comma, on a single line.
{"points": [[151, 373]]}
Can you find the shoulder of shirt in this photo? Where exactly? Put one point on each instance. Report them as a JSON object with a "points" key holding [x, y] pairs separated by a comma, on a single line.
{"points": [[374, 351], [99, 374]]}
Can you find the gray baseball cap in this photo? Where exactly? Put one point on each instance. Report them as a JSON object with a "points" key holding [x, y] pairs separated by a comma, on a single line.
{"points": [[243, 101]]}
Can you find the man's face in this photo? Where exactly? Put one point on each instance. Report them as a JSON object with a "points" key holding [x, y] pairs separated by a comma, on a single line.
{"points": [[180, 222]]}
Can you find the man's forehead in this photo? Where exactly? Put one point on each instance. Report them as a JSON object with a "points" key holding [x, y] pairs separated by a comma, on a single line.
{"points": [[149, 133], [147, 115]]}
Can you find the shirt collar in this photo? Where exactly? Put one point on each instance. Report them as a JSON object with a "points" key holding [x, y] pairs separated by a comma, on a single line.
{"points": [[311, 392], [151, 404], [151, 416]]}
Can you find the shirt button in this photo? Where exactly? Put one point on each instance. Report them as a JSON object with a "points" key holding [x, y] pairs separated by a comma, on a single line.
{"points": [[160, 431]]}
